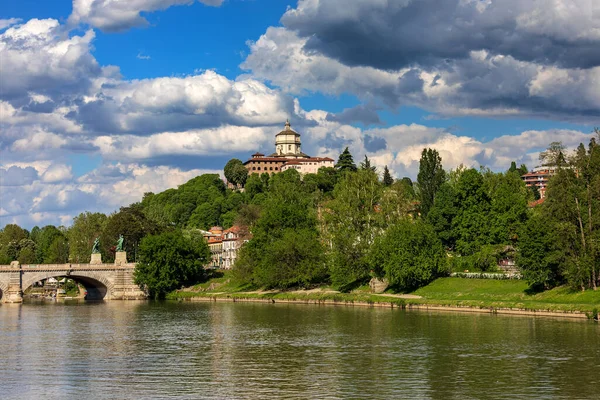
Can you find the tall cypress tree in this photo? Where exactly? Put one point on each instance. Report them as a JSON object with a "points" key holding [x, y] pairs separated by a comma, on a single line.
{"points": [[387, 177], [430, 178], [366, 165], [346, 162]]}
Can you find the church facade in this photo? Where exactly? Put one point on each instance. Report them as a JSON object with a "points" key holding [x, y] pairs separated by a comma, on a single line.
{"points": [[288, 155]]}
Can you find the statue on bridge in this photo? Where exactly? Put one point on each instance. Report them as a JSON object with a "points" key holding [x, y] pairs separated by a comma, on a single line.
{"points": [[120, 243], [96, 247]]}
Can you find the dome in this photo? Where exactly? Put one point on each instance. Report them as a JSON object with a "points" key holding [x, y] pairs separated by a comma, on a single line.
{"points": [[288, 130]]}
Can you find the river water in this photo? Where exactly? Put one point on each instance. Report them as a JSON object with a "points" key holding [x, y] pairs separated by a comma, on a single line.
{"points": [[144, 350]]}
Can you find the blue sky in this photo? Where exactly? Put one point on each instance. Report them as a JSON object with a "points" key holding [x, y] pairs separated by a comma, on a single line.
{"points": [[102, 101]]}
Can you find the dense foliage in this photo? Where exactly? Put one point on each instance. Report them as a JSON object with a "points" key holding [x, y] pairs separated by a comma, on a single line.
{"points": [[409, 255], [168, 261], [345, 225]]}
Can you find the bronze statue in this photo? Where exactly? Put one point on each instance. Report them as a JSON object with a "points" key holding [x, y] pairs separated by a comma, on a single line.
{"points": [[120, 243], [96, 247]]}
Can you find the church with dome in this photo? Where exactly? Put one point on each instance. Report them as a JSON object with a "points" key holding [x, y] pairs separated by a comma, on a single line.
{"points": [[288, 155]]}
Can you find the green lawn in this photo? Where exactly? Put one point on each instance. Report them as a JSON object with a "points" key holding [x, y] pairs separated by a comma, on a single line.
{"points": [[506, 293], [481, 293]]}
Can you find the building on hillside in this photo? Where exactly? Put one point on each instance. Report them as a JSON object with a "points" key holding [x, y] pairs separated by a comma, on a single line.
{"points": [[224, 246], [214, 238], [231, 245], [288, 155], [308, 165], [538, 178]]}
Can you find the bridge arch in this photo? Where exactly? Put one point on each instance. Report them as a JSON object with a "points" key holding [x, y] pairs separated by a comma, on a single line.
{"points": [[97, 286]]}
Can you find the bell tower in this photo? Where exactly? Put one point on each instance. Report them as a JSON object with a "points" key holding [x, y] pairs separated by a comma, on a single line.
{"points": [[287, 143]]}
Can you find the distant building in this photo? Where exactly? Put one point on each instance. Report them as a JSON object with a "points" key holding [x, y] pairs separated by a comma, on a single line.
{"points": [[224, 246], [214, 238], [288, 155], [539, 178], [231, 245]]}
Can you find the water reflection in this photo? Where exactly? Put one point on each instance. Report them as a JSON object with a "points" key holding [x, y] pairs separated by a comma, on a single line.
{"points": [[255, 351]]}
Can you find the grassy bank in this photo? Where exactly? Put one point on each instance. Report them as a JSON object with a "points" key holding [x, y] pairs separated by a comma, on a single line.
{"points": [[448, 292]]}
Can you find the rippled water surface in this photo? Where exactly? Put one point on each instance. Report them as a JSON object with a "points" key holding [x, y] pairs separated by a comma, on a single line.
{"points": [[131, 350]]}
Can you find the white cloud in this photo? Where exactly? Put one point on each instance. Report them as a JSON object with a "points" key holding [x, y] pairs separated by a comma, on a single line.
{"points": [[216, 141], [548, 68], [114, 16], [5, 23], [40, 57]]}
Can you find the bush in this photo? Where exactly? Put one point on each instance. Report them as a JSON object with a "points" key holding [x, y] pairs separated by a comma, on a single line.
{"points": [[168, 261], [409, 255]]}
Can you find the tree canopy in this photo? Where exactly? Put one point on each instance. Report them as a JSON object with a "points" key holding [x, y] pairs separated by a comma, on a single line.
{"points": [[430, 178], [168, 261]]}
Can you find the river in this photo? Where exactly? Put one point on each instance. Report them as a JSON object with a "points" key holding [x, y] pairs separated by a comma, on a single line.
{"points": [[144, 350]]}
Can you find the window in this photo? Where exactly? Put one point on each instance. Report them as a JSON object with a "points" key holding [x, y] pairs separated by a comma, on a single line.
{"points": [[275, 168], [258, 168], [270, 168], [253, 168], [289, 147]]}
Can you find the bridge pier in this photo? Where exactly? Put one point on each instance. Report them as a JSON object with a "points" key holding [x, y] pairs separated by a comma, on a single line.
{"points": [[14, 294]]}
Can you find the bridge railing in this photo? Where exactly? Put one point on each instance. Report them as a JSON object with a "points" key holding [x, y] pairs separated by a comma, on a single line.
{"points": [[62, 267]]}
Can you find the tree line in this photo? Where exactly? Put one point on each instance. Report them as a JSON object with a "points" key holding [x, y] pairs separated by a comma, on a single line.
{"points": [[345, 225]]}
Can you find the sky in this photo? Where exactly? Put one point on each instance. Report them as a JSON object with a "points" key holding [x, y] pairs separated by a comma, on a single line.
{"points": [[102, 101]]}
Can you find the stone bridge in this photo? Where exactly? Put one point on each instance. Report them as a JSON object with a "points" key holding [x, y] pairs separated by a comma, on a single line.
{"points": [[102, 281]]}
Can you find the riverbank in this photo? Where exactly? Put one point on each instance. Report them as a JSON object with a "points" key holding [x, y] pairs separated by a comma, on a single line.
{"points": [[444, 294]]}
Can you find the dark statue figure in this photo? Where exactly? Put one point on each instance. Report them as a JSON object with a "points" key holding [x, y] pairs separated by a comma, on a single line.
{"points": [[96, 247], [120, 243]]}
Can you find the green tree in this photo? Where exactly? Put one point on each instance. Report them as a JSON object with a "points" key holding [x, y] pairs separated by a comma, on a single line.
{"points": [[58, 251], [471, 224], [254, 186], [365, 165], [442, 215], [387, 177], [10, 237], [573, 201], [430, 178], [539, 257], [535, 192], [45, 237], [86, 227], [168, 261], [345, 162], [235, 172], [284, 250], [522, 170], [352, 222], [409, 255], [553, 156], [27, 252], [508, 209], [130, 222]]}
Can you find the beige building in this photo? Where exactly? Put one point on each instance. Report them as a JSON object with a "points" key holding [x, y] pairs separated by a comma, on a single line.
{"points": [[308, 165], [539, 178], [288, 155], [224, 246]]}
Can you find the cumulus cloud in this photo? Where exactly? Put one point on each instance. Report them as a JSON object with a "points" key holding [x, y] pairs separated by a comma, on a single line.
{"points": [[399, 34], [399, 146], [17, 176], [454, 57], [5, 23], [39, 56], [216, 141], [177, 104], [116, 16], [54, 196], [363, 113]]}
